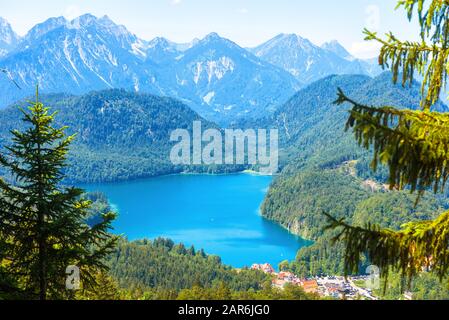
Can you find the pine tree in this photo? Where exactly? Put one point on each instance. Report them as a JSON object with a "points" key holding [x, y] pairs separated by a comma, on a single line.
{"points": [[106, 288], [222, 292], [43, 226], [413, 144]]}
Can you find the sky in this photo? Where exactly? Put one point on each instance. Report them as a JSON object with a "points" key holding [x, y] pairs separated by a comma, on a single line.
{"points": [[246, 22]]}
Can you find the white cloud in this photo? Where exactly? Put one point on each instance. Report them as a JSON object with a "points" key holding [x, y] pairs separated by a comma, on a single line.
{"points": [[175, 2], [365, 49], [372, 21], [72, 12], [242, 11]]}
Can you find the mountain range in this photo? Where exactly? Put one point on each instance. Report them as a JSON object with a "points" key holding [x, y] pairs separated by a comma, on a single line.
{"points": [[214, 76], [308, 62], [8, 38]]}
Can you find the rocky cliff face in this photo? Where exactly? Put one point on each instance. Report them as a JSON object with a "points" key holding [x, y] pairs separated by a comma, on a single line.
{"points": [[8, 38]]}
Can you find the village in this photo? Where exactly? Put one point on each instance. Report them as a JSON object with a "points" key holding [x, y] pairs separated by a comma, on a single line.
{"points": [[325, 286]]}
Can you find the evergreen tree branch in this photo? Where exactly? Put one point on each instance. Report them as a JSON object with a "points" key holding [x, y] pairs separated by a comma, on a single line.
{"points": [[413, 144], [418, 246], [407, 58]]}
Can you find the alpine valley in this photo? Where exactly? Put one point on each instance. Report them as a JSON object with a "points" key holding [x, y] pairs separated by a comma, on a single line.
{"points": [[214, 76], [122, 96]]}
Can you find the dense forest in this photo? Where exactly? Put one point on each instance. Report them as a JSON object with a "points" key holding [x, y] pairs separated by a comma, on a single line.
{"points": [[161, 269], [120, 136], [323, 170]]}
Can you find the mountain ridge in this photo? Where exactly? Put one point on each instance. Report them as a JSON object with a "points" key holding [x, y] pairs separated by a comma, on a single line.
{"points": [[8, 38], [214, 76], [309, 62], [90, 53]]}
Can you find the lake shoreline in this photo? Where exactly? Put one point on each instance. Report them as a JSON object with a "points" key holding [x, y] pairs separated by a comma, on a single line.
{"points": [[182, 173], [218, 213]]}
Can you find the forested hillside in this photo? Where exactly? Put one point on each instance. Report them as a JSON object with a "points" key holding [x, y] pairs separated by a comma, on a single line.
{"points": [[317, 153], [161, 269], [162, 264], [325, 171], [120, 135], [312, 127]]}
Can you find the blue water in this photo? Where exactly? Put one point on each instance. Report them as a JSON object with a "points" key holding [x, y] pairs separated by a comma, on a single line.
{"points": [[219, 213]]}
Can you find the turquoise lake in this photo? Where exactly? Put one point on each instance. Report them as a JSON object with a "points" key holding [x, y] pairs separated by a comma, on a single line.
{"points": [[219, 213]]}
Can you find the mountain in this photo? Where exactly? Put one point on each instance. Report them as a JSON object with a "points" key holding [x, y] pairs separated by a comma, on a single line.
{"points": [[214, 76], [78, 56], [8, 38], [224, 81], [311, 127], [306, 61], [120, 135], [40, 29], [373, 69], [335, 47], [220, 80], [370, 67], [162, 51]]}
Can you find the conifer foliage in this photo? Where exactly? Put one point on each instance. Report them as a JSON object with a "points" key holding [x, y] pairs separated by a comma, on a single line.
{"points": [[43, 227], [413, 144]]}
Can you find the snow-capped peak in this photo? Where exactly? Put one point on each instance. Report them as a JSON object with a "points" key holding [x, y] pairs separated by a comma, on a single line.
{"points": [[287, 41], [45, 27], [307, 61], [217, 42], [105, 20], [89, 20], [161, 43], [8, 38], [84, 20], [335, 47], [212, 36], [294, 39], [3, 22]]}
